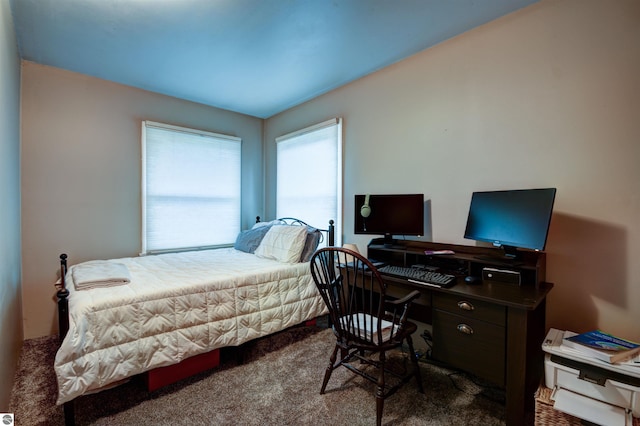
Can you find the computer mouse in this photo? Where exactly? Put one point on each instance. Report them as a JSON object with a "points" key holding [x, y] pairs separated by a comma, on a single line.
{"points": [[472, 280]]}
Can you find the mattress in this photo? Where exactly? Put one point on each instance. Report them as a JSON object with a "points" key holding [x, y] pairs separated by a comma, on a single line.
{"points": [[176, 306]]}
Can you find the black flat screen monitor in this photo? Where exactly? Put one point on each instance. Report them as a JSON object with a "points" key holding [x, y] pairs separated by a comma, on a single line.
{"points": [[389, 215], [511, 219]]}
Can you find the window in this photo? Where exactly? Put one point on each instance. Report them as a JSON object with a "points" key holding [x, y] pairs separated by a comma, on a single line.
{"points": [[190, 188], [309, 175]]}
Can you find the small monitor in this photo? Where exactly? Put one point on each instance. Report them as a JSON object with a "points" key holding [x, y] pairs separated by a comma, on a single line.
{"points": [[511, 219], [389, 215]]}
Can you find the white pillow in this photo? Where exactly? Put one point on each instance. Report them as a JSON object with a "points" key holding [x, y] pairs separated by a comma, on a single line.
{"points": [[283, 243]]}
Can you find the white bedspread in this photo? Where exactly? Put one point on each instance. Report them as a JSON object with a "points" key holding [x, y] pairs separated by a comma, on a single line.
{"points": [[176, 306]]}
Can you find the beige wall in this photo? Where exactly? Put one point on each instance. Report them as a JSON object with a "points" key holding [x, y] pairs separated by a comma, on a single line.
{"points": [[10, 314], [81, 173], [546, 96]]}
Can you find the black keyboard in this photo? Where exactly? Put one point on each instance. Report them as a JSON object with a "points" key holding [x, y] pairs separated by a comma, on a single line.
{"points": [[419, 275]]}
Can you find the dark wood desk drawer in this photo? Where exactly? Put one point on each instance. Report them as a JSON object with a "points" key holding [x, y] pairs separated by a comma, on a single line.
{"points": [[470, 308], [470, 344]]}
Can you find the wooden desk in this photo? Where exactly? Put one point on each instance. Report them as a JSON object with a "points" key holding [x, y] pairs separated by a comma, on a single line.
{"points": [[493, 330]]}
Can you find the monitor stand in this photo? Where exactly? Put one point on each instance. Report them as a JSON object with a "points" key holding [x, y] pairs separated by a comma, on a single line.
{"points": [[511, 252], [511, 257], [389, 242]]}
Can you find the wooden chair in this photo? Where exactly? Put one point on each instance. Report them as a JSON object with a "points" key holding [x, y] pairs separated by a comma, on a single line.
{"points": [[365, 321]]}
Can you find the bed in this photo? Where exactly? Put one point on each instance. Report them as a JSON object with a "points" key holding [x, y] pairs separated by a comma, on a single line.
{"points": [[123, 317]]}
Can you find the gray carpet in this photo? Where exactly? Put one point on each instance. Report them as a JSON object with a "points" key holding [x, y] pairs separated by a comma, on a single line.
{"points": [[271, 381]]}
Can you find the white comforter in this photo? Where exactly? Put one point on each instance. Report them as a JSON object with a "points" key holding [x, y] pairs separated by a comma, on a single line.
{"points": [[176, 306]]}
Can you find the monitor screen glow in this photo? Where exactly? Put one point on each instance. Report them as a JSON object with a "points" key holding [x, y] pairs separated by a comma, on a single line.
{"points": [[511, 219]]}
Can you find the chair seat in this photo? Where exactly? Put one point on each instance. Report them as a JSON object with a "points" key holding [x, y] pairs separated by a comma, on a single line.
{"points": [[389, 330], [366, 325]]}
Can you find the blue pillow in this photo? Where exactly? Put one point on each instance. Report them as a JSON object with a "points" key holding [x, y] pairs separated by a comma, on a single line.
{"points": [[311, 244], [249, 240]]}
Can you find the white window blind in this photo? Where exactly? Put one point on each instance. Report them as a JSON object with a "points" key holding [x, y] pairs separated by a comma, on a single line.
{"points": [[309, 175], [190, 188]]}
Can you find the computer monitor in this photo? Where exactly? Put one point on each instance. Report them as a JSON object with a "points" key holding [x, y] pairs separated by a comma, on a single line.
{"points": [[389, 215], [511, 219]]}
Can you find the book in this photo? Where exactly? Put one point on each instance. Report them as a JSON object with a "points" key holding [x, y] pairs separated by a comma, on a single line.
{"points": [[604, 346]]}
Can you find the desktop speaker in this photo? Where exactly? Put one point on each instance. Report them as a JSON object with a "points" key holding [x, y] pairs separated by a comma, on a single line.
{"points": [[501, 275]]}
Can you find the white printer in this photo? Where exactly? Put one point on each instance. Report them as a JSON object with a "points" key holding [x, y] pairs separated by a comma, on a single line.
{"points": [[588, 388]]}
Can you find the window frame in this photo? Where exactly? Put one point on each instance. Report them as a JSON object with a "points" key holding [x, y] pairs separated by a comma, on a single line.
{"points": [[339, 170], [144, 176]]}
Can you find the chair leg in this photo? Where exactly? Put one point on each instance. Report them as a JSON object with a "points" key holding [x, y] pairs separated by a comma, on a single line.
{"points": [[329, 370], [380, 390], [69, 413], [416, 366]]}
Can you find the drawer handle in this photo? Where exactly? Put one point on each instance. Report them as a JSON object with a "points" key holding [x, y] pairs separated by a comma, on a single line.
{"points": [[464, 328], [465, 306]]}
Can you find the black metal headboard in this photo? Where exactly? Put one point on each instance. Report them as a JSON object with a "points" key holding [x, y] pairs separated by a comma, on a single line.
{"points": [[330, 231]]}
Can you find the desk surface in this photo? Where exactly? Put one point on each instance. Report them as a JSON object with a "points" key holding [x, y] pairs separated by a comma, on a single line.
{"points": [[511, 295], [471, 259]]}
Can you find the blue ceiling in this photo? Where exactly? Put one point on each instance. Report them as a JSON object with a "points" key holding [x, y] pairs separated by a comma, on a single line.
{"points": [[256, 57]]}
